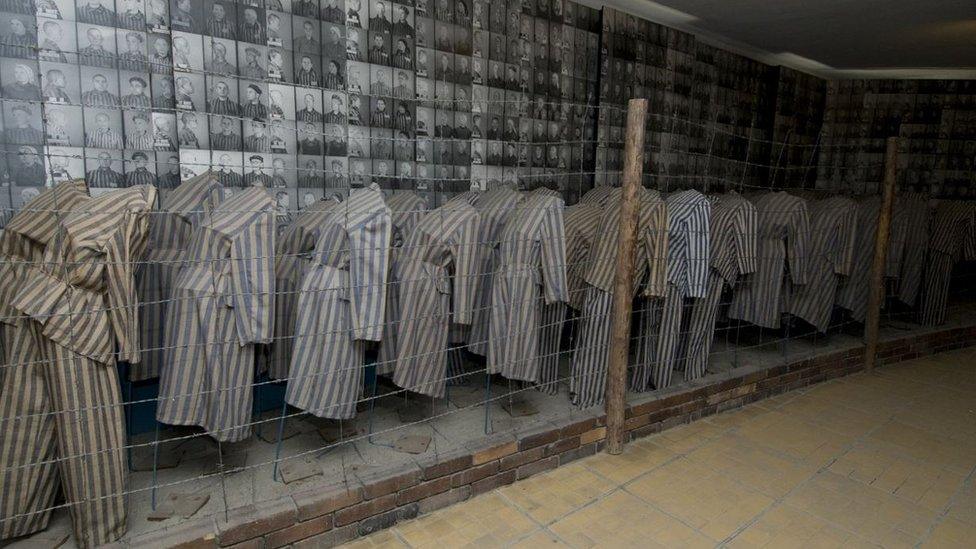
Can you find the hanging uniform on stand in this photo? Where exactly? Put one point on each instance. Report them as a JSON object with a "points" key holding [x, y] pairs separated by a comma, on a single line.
{"points": [[599, 195], [917, 220], [952, 238], [732, 254], [784, 239], [833, 233], [852, 294], [494, 208], [223, 307], [589, 363], [81, 303], [26, 426], [407, 208], [437, 273], [170, 231], [296, 241], [551, 321], [340, 306], [529, 273], [688, 250]]}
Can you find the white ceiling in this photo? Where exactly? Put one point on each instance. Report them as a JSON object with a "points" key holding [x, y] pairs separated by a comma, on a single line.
{"points": [[852, 38]]}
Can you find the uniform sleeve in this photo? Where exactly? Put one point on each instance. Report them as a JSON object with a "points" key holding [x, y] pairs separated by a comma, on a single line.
{"points": [[369, 262], [746, 235], [698, 249], [123, 253], [253, 281], [466, 251], [798, 243], [655, 235], [554, 255]]}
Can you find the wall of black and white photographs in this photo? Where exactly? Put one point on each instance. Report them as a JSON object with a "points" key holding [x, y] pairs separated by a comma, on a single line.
{"points": [[311, 97]]}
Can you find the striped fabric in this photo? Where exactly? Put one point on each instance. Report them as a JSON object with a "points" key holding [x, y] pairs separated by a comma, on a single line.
{"points": [[784, 238], [732, 235], [81, 303], [295, 242], [437, 273], [587, 384], [170, 233], [852, 294], [494, 209], [834, 230], [222, 306], [590, 357], [598, 196], [140, 176], [688, 263], [952, 236], [529, 271], [103, 138], [917, 219], [341, 306], [407, 209], [581, 223]]}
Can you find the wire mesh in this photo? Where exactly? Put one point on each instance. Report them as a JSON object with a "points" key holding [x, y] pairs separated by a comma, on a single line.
{"points": [[288, 324]]}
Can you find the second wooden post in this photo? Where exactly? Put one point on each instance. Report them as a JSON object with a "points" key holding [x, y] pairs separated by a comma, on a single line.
{"points": [[623, 278], [876, 295]]}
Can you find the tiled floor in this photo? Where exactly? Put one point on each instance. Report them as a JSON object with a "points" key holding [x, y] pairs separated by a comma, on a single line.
{"points": [[887, 459]]}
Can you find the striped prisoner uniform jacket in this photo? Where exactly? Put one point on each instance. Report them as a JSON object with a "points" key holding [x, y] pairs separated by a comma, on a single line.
{"points": [[528, 272], [589, 364], [223, 304], [852, 294], [291, 261], [688, 250], [581, 223], [952, 238], [407, 208], [733, 248], [833, 233], [140, 176], [340, 306], [437, 272], [917, 220], [551, 321], [105, 178], [170, 232], [784, 238], [78, 306], [494, 208], [598, 195], [104, 138]]}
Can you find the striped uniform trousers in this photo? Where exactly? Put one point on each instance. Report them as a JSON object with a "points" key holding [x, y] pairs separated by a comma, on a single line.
{"points": [[223, 305], [437, 273], [688, 261], [407, 208], [831, 256], [81, 303], [784, 238], [732, 236], [298, 239], [589, 359], [170, 232], [340, 307], [531, 273], [952, 237]]}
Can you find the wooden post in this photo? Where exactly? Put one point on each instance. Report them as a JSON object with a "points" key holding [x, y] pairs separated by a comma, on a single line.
{"points": [[623, 277], [876, 295]]}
